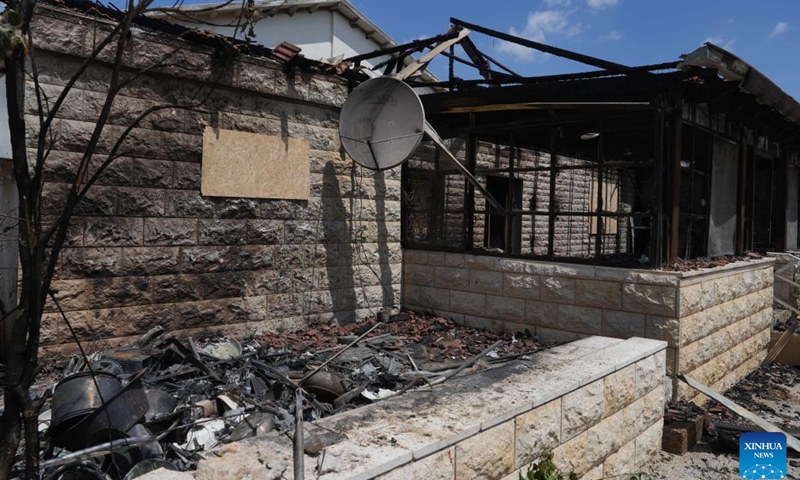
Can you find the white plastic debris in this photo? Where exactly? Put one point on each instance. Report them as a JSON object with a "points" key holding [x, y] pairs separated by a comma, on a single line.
{"points": [[382, 393], [493, 354], [204, 436], [225, 350], [44, 420]]}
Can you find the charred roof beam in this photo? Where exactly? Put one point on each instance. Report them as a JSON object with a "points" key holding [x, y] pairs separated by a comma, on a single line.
{"points": [[623, 89], [559, 52], [477, 58], [561, 77], [416, 45], [491, 73]]}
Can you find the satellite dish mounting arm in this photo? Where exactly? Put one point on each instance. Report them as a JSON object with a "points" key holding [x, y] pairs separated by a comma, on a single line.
{"points": [[474, 181], [413, 68]]}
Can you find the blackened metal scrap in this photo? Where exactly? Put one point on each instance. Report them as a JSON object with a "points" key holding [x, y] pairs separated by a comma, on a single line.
{"points": [[100, 450], [257, 391]]}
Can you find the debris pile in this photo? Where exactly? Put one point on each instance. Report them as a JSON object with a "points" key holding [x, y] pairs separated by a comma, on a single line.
{"points": [[163, 401], [704, 262], [683, 427], [770, 393]]}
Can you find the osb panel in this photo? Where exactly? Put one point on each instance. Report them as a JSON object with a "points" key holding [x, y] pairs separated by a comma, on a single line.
{"points": [[251, 165], [610, 204]]}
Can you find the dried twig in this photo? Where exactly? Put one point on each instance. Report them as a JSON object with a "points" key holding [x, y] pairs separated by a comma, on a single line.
{"points": [[413, 364], [326, 362], [474, 359]]}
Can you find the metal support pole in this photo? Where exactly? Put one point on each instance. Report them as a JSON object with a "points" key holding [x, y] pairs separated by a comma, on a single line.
{"points": [[600, 224], [783, 202], [469, 204], [510, 198], [551, 208], [675, 184], [741, 194], [657, 235]]}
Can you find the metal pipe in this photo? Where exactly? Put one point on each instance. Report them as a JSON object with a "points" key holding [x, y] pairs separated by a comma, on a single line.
{"points": [[447, 153], [600, 221], [656, 236], [675, 184], [119, 445], [551, 220]]}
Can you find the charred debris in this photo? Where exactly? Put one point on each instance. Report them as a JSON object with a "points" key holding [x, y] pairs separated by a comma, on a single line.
{"points": [[162, 401]]}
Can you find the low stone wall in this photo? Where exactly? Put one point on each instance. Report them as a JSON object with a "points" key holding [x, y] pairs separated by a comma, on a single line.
{"points": [[725, 321], [715, 321], [597, 403]]}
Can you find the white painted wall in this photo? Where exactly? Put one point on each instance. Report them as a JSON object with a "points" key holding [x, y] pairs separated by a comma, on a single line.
{"points": [[321, 35]]}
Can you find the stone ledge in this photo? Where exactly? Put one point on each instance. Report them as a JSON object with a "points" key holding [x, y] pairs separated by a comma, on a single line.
{"points": [[588, 272], [472, 422], [703, 274]]}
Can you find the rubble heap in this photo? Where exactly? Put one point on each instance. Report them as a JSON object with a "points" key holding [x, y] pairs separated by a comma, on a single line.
{"points": [[161, 402]]}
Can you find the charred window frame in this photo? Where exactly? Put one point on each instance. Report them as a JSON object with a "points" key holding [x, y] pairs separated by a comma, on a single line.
{"points": [[595, 203]]}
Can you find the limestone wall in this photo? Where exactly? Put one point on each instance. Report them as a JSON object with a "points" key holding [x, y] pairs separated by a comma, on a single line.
{"points": [[147, 248], [597, 403], [725, 323], [716, 322]]}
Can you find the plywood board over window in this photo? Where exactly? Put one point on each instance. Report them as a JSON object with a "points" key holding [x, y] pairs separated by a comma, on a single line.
{"points": [[610, 204], [251, 165]]}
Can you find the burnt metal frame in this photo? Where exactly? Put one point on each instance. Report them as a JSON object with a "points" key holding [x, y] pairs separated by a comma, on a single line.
{"points": [[470, 213], [665, 219]]}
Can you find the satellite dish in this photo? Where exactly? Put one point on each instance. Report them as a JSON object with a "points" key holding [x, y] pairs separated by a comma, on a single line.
{"points": [[382, 123]]}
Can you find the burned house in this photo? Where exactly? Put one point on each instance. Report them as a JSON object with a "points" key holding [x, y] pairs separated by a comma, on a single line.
{"points": [[614, 186], [247, 215]]}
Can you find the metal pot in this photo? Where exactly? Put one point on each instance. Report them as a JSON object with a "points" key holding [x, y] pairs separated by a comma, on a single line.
{"points": [[74, 399], [87, 404]]}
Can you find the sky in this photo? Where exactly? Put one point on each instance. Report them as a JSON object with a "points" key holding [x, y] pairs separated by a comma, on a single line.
{"points": [[765, 34]]}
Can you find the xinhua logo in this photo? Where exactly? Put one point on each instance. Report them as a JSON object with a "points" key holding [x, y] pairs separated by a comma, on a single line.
{"points": [[762, 455]]}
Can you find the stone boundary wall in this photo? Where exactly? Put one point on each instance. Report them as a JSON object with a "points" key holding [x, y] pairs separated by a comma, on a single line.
{"points": [[725, 322], [146, 248], [716, 321], [597, 403]]}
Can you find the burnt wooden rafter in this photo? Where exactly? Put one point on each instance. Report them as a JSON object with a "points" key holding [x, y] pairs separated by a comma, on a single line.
{"points": [[600, 90], [406, 48], [559, 52], [477, 58], [556, 78]]}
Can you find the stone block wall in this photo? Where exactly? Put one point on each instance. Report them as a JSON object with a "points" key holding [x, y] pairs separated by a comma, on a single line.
{"points": [[148, 248], [725, 319], [716, 322], [597, 403]]}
